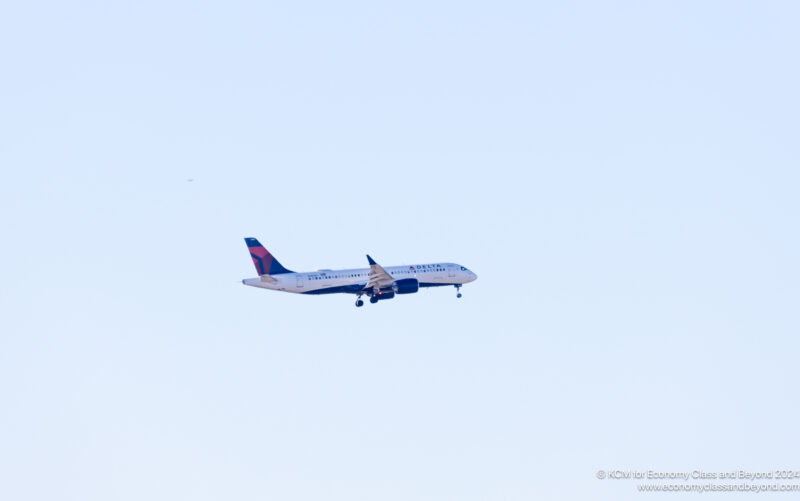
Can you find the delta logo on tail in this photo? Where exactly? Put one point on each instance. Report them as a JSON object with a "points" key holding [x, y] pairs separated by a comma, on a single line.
{"points": [[265, 263], [376, 282]]}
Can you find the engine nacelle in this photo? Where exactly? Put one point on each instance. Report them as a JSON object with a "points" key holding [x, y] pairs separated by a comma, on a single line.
{"points": [[384, 295], [407, 286]]}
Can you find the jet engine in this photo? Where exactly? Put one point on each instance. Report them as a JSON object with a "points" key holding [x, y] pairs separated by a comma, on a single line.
{"points": [[383, 294], [406, 286]]}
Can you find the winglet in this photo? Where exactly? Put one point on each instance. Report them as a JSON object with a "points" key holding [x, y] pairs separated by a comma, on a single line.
{"points": [[371, 261]]}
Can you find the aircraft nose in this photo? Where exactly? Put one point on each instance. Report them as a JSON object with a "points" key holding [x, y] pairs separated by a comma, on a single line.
{"points": [[472, 276]]}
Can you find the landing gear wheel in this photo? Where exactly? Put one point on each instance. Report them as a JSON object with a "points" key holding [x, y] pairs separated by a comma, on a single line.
{"points": [[458, 291], [458, 295], [359, 303], [373, 299]]}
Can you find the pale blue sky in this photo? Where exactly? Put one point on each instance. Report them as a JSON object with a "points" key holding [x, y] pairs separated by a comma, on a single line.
{"points": [[622, 176]]}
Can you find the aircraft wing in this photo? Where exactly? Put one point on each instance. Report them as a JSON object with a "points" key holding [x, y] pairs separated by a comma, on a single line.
{"points": [[378, 277]]}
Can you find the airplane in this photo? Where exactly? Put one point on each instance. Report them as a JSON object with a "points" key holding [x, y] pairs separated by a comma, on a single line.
{"points": [[376, 282]]}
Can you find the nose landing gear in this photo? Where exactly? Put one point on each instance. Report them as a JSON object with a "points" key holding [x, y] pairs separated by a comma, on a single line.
{"points": [[458, 291]]}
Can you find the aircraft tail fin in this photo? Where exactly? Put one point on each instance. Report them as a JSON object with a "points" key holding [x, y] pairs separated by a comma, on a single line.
{"points": [[265, 263]]}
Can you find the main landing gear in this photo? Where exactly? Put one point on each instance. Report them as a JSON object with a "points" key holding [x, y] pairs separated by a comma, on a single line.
{"points": [[458, 291], [360, 302]]}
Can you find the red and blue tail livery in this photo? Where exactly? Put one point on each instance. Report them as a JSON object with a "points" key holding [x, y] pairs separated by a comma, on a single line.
{"points": [[265, 263], [375, 282]]}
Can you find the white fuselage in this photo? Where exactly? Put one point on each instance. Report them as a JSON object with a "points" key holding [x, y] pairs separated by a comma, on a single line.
{"points": [[332, 281]]}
